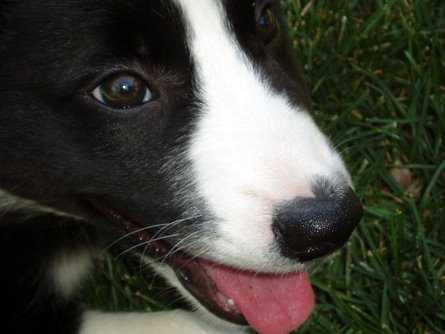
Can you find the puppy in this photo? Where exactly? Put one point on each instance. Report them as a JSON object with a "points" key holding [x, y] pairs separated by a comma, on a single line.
{"points": [[179, 128]]}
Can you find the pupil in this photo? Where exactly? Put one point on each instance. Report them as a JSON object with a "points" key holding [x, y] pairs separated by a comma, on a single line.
{"points": [[123, 92], [264, 21], [124, 87]]}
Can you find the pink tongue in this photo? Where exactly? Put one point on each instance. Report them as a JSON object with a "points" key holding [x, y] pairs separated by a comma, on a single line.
{"points": [[271, 304]]}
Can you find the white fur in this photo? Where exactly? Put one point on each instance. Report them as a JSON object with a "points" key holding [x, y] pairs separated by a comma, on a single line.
{"points": [[69, 270], [172, 322], [252, 148]]}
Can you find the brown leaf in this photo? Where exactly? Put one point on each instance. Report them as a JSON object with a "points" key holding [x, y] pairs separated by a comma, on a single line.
{"points": [[403, 177], [415, 189], [407, 181]]}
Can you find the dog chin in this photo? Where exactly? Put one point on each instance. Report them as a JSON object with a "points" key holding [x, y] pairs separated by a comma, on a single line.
{"points": [[200, 310]]}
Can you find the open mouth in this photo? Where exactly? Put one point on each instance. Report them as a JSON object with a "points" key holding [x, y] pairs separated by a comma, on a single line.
{"points": [[271, 304]]}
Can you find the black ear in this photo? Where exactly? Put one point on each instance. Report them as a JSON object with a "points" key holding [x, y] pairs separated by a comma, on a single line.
{"points": [[4, 34], [4, 5], [2, 16], [2, 29]]}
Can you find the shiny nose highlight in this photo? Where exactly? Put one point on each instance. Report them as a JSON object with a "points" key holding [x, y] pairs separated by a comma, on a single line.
{"points": [[308, 228]]}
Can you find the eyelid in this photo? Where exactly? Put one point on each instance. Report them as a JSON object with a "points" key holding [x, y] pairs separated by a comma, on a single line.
{"points": [[102, 74], [260, 5]]}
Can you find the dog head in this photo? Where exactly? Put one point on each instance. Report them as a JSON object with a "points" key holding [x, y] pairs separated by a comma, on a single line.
{"points": [[186, 124]]}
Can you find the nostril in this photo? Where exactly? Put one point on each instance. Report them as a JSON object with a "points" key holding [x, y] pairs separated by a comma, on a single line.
{"points": [[307, 228]]}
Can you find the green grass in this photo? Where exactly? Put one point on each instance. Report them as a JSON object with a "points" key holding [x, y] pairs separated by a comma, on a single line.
{"points": [[377, 73]]}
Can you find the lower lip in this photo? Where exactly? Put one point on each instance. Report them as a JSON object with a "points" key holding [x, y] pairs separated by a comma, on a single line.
{"points": [[208, 294]]}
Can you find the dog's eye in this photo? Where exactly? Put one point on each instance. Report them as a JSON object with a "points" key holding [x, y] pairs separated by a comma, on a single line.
{"points": [[267, 25], [123, 91]]}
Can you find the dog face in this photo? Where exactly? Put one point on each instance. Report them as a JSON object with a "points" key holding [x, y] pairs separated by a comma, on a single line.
{"points": [[184, 121]]}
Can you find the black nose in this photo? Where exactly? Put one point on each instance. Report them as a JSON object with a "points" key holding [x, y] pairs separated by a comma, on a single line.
{"points": [[308, 228]]}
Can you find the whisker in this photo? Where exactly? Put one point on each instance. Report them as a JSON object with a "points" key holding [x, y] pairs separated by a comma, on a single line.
{"points": [[164, 226], [168, 227], [197, 255], [143, 265], [174, 223], [129, 234], [175, 246], [190, 246], [145, 243]]}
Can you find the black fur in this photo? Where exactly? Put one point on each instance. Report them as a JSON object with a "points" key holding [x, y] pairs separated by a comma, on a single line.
{"points": [[28, 247], [59, 148]]}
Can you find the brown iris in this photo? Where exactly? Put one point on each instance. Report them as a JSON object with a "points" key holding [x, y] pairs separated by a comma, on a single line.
{"points": [[122, 91]]}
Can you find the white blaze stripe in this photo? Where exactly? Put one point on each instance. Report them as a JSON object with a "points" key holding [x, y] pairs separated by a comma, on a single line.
{"points": [[252, 148]]}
